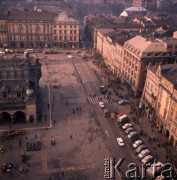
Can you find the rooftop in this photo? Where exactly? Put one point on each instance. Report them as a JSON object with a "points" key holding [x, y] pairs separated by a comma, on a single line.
{"points": [[145, 45], [30, 15], [64, 17]]}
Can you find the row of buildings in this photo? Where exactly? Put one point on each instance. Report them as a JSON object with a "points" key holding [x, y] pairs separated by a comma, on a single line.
{"points": [[33, 29], [129, 46]]}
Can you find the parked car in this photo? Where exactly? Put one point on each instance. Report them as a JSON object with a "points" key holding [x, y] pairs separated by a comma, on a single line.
{"points": [[129, 130], [69, 56], [132, 135], [123, 101], [120, 142], [101, 104], [127, 125], [137, 143], [144, 153], [2, 52], [9, 51], [15, 132], [68, 52], [146, 159], [140, 148]]}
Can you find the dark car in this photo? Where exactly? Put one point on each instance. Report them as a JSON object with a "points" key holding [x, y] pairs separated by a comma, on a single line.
{"points": [[33, 145]]}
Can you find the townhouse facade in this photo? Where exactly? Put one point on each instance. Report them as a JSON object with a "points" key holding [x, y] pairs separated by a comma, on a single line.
{"points": [[32, 29], [160, 99]]}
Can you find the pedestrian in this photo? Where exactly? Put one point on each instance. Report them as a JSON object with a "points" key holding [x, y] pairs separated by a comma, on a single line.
{"points": [[20, 142], [71, 137], [77, 109], [28, 164], [10, 146], [66, 102], [54, 121], [26, 137], [35, 135], [50, 178]]}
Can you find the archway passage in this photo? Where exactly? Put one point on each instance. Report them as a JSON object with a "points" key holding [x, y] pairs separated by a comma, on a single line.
{"points": [[19, 117], [5, 118], [167, 133]]}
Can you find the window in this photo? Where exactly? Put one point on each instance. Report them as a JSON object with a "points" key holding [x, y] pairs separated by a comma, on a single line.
{"points": [[60, 32], [4, 95], [18, 94], [71, 31], [65, 31], [75, 31], [55, 38]]}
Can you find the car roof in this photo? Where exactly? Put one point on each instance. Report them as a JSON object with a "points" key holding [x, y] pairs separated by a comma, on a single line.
{"points": [[120, 139], [137, 141]]}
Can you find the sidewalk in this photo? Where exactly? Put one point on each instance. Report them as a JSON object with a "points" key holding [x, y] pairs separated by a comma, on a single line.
{"points": [[157, 143]]}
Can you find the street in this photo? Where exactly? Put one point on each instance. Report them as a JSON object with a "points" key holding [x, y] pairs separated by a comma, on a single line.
{"points": [[83, 136]]}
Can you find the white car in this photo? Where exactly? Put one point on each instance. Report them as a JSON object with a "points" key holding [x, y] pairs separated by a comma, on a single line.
{"points": [[144, 153], [127, 125], [2, 52], [132, 134], [137, 143], [101, 104], [120, 142], [140, 148], [129, 130], [69, 56], [146, 159]]}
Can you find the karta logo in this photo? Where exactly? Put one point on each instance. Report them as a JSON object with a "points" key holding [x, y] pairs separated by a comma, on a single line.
{"points": [[134, 171]]}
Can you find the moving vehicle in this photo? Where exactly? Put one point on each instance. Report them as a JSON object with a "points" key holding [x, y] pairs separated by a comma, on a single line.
{"points": [[120, 142], [112, 116], [137, 143], [123, 101], [106, 112], [103, 89], [144, 153], [101, 104]]}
